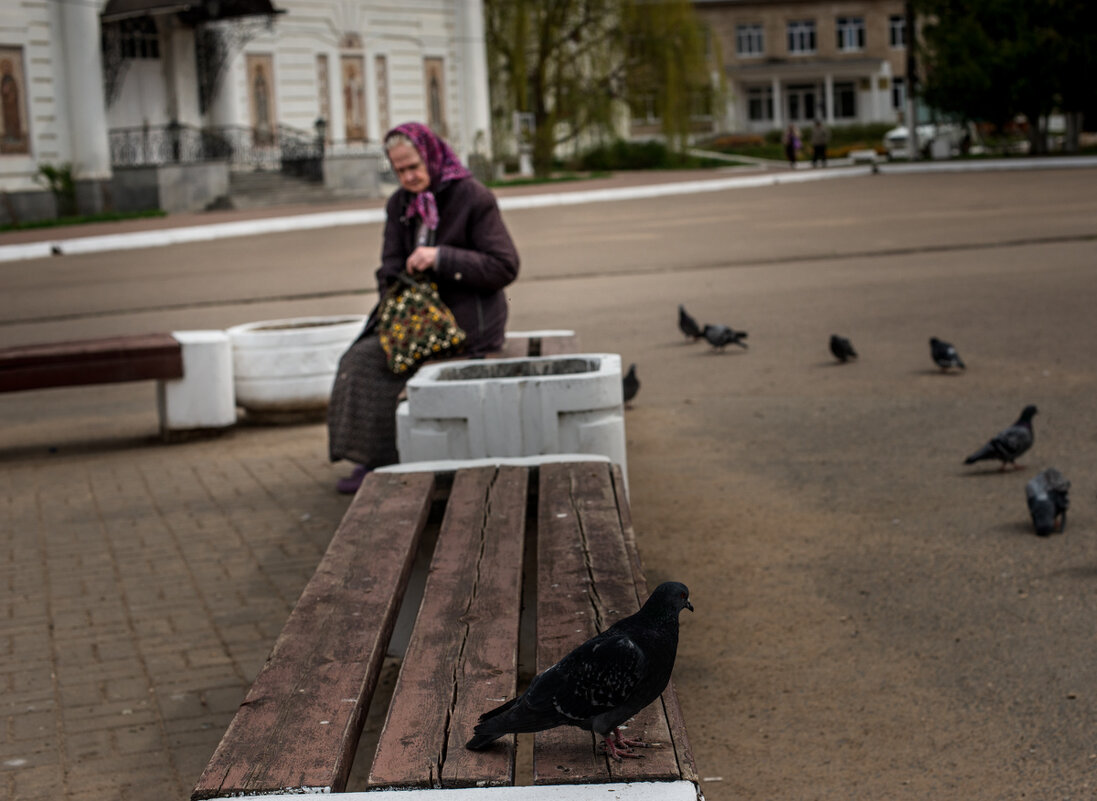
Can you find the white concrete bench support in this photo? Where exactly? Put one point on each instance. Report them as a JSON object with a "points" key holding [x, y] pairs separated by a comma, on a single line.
{"points": [[203, 398], [514, 407]]}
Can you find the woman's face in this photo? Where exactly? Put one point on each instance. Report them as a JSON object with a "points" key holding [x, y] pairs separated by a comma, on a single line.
{"points": [[409, 168]]}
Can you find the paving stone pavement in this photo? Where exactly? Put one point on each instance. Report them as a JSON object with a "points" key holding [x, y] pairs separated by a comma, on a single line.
{"points": [[143, 585]]}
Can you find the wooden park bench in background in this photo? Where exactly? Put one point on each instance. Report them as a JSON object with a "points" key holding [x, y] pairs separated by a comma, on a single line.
{"points": [[91, 361], [564, 524], [520, 344], [193, 371]]}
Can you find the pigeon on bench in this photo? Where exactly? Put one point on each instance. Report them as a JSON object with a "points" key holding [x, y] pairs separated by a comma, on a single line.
{"points": [[687, 325], [1048, 500], [630, 385], [603, 682], [1009, 443], [944, 354], [842, 348], [720, 336]]}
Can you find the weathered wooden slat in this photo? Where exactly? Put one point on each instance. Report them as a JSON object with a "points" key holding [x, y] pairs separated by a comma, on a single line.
{"points": [[565, 618], [683, 751], [614, 574], [515, 348], [93, 361], [586, 583], [463, 655], [299, 725]]}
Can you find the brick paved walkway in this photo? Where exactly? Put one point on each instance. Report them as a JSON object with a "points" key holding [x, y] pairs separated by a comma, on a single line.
{"points": [[143, 586]]}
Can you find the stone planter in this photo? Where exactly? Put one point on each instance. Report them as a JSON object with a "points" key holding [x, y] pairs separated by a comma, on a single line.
{"points": [[283, 369], [514, 407]]}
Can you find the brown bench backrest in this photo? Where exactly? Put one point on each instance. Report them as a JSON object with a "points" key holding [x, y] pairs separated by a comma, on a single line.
{"points": [[93, 361]]}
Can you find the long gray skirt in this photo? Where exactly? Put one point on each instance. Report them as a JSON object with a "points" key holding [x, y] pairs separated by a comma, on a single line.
{"points": [[362, 410]]}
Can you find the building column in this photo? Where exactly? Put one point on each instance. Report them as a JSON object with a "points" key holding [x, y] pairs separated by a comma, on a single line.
{"points": [[778, 104], [87, 106], [476, 114], [224, 108], [828, 89], [180, 73]]}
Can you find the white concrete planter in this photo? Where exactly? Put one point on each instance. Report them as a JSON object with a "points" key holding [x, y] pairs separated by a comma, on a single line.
{"points": [[287, 367], [514, 407]]}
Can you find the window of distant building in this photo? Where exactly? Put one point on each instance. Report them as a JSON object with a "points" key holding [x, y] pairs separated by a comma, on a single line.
{"points": [[760, 103], [897, 31], [139, 38], [801, 37], [750, 40], [851, 34], [845, 100], [898, 92]]}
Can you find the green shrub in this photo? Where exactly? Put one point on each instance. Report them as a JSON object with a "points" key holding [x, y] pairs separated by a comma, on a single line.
{"points": [[56, 222], [61, 184], [651, 155]]}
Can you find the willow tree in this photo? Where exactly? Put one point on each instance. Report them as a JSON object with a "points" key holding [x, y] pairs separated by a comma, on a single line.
{"points": [[575, 66]]}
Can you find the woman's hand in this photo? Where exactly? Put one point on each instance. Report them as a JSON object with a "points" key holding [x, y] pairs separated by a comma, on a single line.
{"points": [[423, 258]]}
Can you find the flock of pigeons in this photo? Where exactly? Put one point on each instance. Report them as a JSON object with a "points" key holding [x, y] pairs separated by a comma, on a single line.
{"points": [[1047, 494]]}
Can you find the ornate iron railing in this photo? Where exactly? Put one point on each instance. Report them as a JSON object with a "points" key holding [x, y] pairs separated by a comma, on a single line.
{"points": [[286, 148]]}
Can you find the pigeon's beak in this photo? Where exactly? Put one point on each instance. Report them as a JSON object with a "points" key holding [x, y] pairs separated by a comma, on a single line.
{"points": [[689, 606]]}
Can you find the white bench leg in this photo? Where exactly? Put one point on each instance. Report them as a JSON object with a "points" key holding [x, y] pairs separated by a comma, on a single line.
{"points": [[204, 397]]}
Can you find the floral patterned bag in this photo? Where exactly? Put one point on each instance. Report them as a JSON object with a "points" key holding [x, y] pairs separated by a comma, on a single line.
{"points": [[415, 325]]}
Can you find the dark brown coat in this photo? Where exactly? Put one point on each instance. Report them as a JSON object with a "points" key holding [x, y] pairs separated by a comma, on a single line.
{"points": [[476, 258]]}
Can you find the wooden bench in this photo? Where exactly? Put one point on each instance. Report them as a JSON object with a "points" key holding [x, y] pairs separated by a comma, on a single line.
{"points": [[193, 371], [566, 524], [520, 344], [92, 361]]}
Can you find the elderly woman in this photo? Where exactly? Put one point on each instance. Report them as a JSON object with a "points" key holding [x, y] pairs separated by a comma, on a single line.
{"points": [[444, 221]]}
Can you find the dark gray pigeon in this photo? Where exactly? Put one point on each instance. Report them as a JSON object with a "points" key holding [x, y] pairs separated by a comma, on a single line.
{"points": [[720, 336], [630, 384], [603, 682], [1009, 443], [1047, 496], [687, 325], [842, 348], [944, 354]]}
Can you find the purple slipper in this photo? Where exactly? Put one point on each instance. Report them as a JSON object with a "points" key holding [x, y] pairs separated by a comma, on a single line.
{"points": [[350, 484]]}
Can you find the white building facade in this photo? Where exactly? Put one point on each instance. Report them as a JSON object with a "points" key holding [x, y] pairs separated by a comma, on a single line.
{"points": [[105, 84]]}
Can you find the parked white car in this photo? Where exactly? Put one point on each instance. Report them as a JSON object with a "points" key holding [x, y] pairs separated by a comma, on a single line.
{"points": [[938, 141]]}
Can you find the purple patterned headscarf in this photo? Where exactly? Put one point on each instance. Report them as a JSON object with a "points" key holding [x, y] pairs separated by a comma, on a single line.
{"points": [[442, 163]]}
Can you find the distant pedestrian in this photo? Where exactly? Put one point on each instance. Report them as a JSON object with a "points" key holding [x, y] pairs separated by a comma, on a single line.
{"points": [[791, 141], [819, 137]]}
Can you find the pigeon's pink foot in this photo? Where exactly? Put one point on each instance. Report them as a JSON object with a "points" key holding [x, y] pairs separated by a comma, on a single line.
{"points": [[617, 753], [627, 743]]}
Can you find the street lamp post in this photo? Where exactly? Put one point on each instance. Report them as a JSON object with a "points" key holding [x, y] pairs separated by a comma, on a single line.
{"points": [[912, 82]]}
